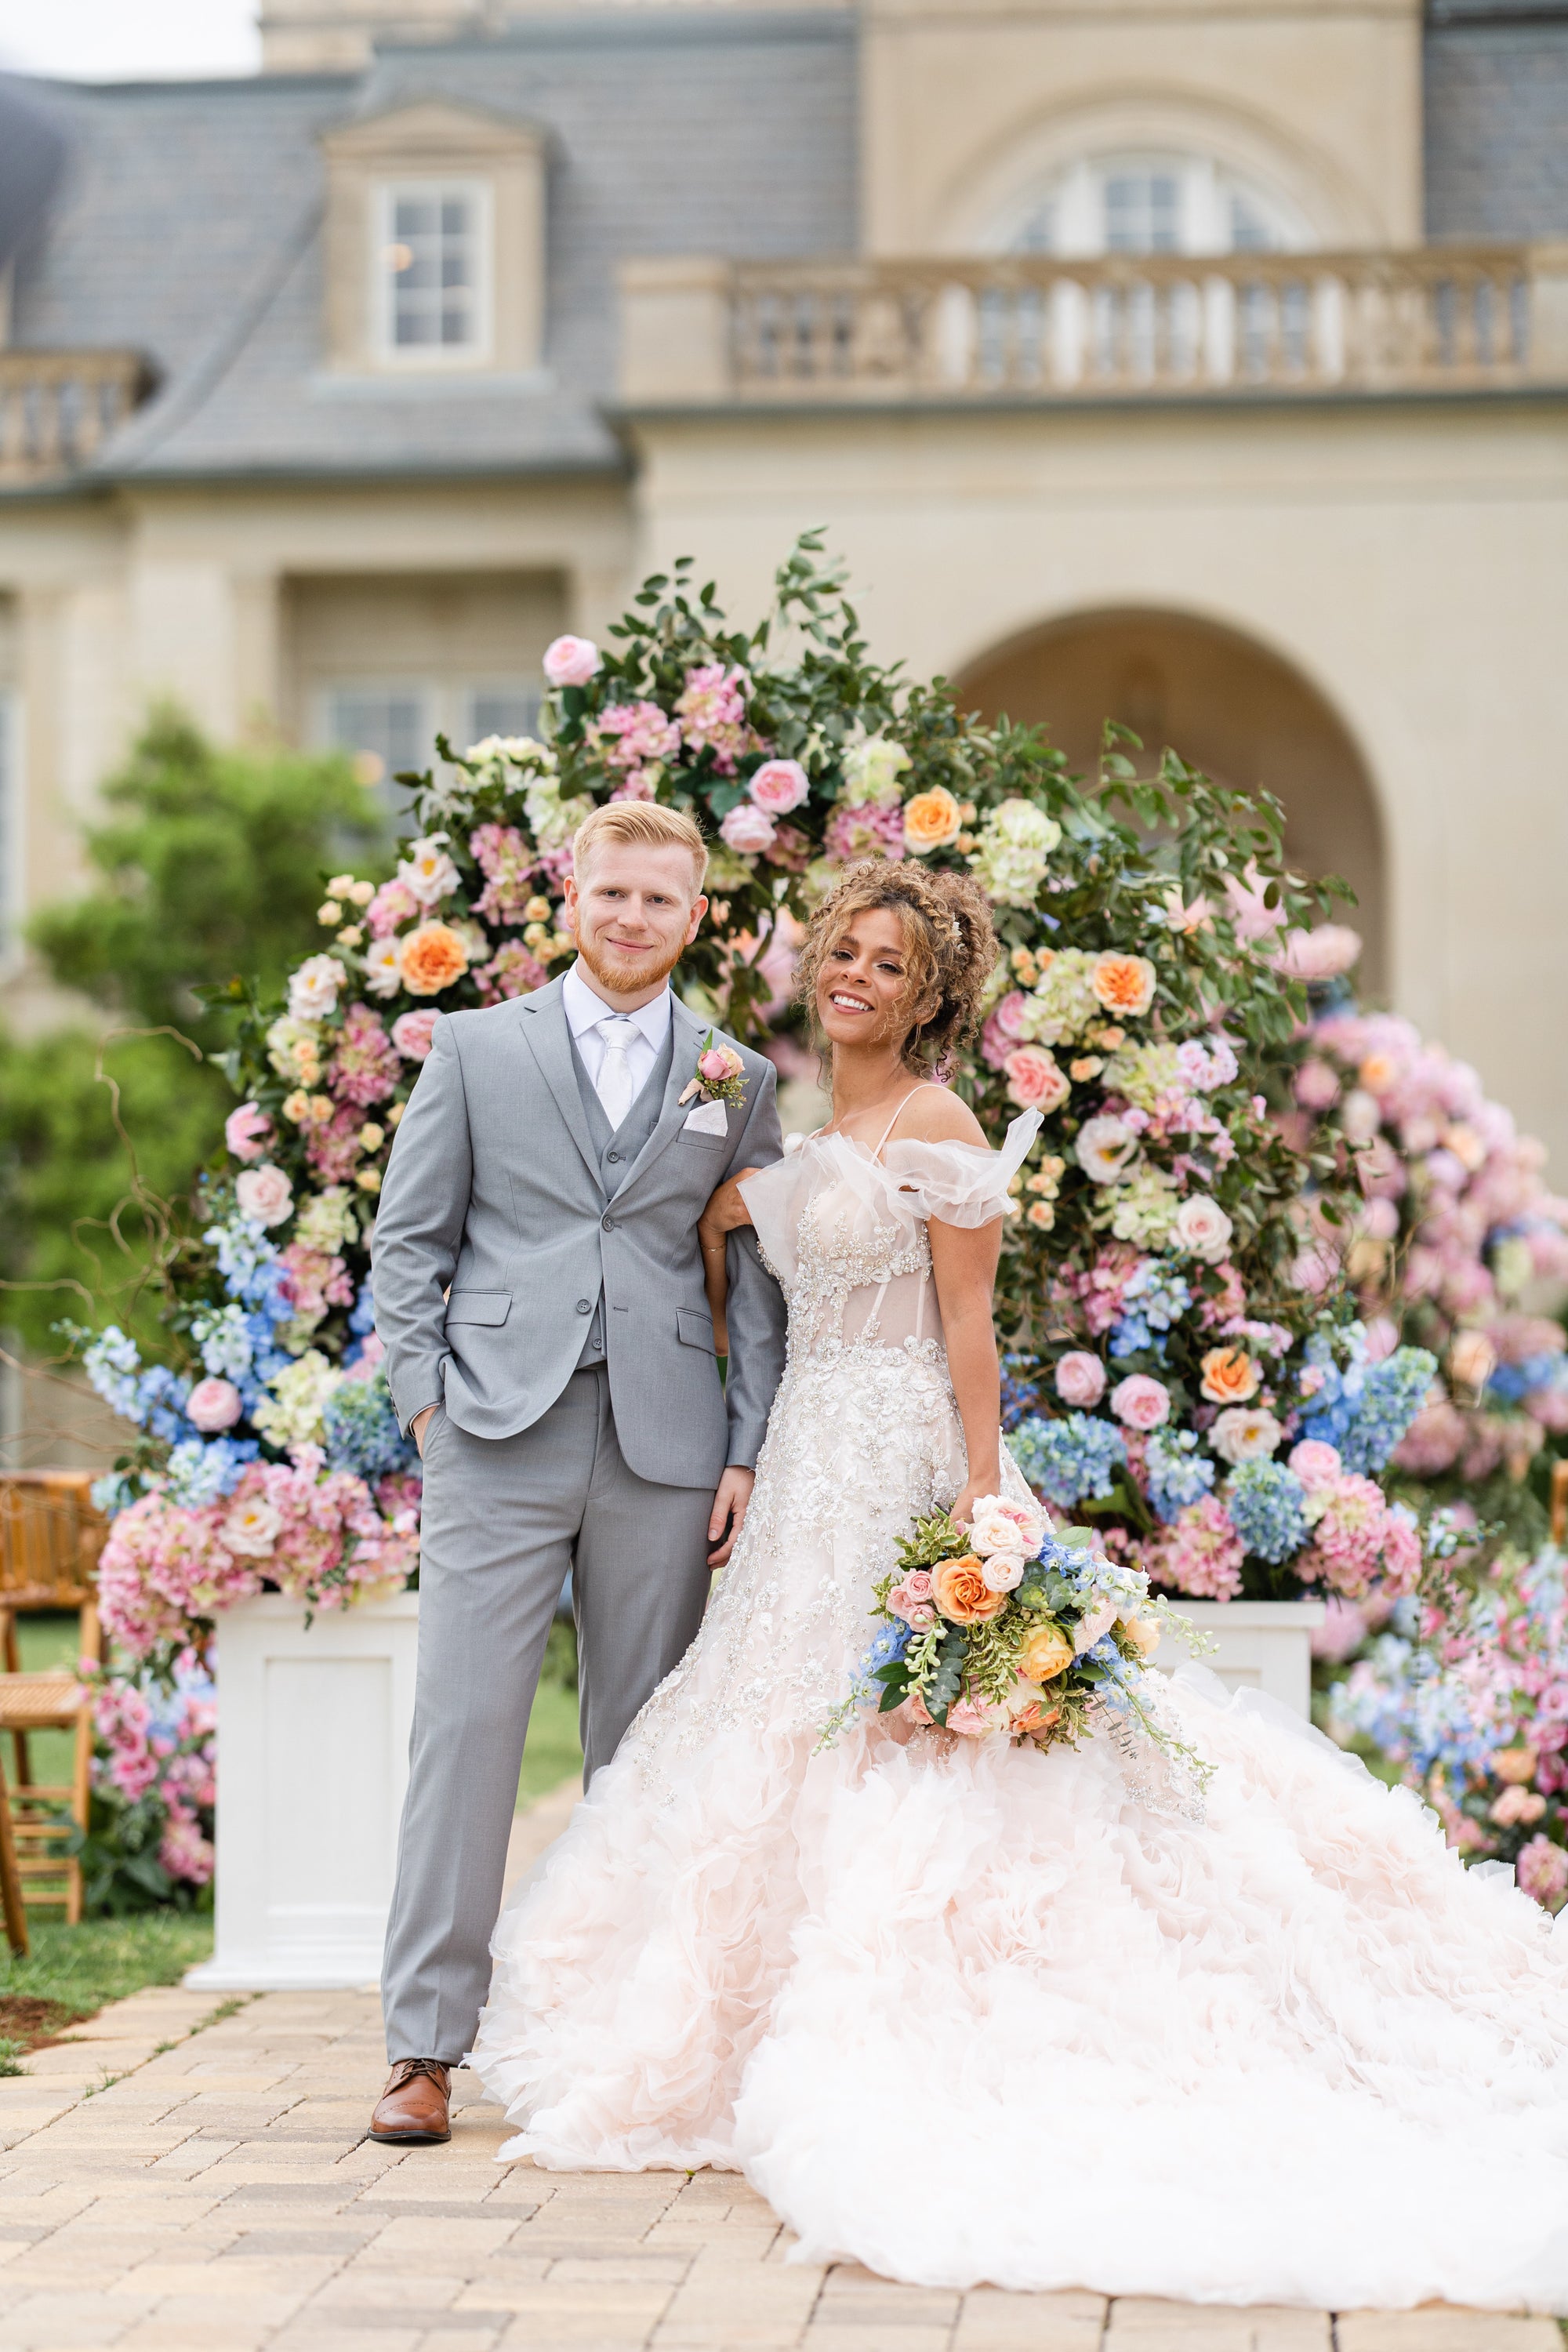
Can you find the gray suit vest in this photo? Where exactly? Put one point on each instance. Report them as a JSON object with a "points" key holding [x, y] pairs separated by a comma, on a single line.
{"points": [[616, 1149]]}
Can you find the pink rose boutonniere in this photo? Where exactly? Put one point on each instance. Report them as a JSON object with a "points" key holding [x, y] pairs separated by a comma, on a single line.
{"points": [[720, 1076]]}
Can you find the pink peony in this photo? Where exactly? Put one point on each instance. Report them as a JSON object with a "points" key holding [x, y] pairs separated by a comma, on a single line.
{"points": [[712, 713], [1080, 1380], [779, 785], [1323, 953], [264, 1194], [571, 661], [1315, 1462], [1035, 1080], [363, 1070], [246, 1131], [412, 1032], [511, 971], [748, 829], [212, 1406], [1141, 1401]]}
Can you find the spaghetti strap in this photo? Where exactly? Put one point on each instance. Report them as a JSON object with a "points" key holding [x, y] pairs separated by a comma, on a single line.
{"points": [[898, 1114]]}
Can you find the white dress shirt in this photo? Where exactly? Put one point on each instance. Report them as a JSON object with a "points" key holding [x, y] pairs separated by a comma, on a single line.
{"points": [[584, 1011]]}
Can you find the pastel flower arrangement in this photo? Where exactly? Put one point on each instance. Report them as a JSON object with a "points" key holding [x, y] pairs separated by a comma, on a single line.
{"points": [[153, 1790], [1465, 1693], [1000, 1629], [1455, 1241], [1152, 1297]]}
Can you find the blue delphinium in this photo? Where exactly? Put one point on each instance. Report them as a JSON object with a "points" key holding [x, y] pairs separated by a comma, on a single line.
{"points": [[1267, 1503], [1070, 1459], [224, 1337], [1152, 1303], [153, 1398], [1178, 1474], [361, 1431]]}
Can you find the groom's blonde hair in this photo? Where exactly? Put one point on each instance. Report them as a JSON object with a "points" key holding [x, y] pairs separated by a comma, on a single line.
{"points": [[628, 822]]}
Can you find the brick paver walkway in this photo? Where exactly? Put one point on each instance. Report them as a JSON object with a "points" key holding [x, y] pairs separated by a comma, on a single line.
{"points": [[178, 2178]]}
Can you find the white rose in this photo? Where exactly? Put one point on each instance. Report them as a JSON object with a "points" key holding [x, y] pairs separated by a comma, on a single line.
{"points": [[992, 1529], [1104, 1148], [1202, 1228], [428, 872], [1003, 1572], [313, 989], [252, 1527], [1091, 1627], [264, 1194], [1245, 1433], [1361, 1115], [382, 972]]}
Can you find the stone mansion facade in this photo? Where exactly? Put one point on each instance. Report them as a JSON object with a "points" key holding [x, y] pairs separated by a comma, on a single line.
{"points": [[1202, 363]]}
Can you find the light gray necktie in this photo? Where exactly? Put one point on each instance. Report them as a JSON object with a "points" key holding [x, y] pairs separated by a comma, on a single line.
{"points": [[615, 1089]]}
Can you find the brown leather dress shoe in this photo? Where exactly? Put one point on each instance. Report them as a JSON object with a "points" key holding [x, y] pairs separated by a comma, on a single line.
{"points": [[414, 2107]]}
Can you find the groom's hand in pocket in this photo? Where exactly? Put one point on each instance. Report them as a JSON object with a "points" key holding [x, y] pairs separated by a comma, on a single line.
{"points": [[729, 1507]]}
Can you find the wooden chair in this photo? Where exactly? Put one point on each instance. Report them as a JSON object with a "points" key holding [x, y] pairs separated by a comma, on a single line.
{"points": [[1559, 1501], [50, 1538]]}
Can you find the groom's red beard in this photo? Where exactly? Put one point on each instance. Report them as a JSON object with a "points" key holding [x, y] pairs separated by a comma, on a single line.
{"points": [[627, 973]]}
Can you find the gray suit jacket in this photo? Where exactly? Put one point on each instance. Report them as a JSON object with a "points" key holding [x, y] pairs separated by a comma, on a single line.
{"points": [[493, 1189]]}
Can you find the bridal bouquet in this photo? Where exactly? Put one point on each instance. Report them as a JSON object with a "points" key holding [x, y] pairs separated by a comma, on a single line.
{"points": [[1005, 1629]]}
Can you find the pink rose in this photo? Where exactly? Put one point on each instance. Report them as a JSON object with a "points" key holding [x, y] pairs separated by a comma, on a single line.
{"points": [[246, 1131], [748, 829], [1314, 1462], [411, 1033], [571, 661], [778, 786], [1034, 1080], [917, 1584], [214, 1405], [972, 1719], [265, 1194], [1140, 1402], [1080, 1380], [718, 1065], [1202, 1228]]}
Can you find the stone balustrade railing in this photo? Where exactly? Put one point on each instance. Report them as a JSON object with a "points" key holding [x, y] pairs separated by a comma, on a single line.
{"points": [[57, 408], [1030, 327]]}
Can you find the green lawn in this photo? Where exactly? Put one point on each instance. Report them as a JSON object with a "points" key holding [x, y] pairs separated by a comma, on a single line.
{"points": [[551, 1753], [71, 1972]]}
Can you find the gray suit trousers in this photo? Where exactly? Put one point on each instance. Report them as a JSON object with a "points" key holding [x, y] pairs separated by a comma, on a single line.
{"points": [[504, 1518]]}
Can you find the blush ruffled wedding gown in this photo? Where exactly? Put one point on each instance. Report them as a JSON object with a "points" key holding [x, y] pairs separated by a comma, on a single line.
{"points": [[961, 2012]]}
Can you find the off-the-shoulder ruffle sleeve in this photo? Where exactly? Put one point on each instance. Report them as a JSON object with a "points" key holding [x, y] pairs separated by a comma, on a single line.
{"points": [[777, 1196], [961, 1183]]}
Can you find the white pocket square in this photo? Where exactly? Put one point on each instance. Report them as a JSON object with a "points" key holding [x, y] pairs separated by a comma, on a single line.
{"points": [[708, 1118]]}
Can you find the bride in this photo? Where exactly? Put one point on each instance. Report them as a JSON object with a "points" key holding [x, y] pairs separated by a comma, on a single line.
{"points": [[966, 2012]]}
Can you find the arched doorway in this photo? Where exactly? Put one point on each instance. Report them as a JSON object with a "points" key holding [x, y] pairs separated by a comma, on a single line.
{"points": [[1228, 707]]}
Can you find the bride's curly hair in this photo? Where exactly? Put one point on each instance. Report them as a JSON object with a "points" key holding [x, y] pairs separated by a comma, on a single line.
{"points": [[948, 939]]}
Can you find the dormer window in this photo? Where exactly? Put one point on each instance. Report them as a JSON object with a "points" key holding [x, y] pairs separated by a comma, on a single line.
{"points": [[434, 270], [1134, 203], [434, 243]]}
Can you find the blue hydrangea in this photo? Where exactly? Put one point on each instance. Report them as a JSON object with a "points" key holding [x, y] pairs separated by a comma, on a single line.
{"points": [[1152, 1303], [198, 1474], [1364, 1409], [248, 1263], [111, 1493], [1020, 1396], [1509, 1382], [1178, 1473], [1068, 1460], [1267, 1503], [362, 1321], [361, 1431], [1405, 1705], [226, 1339]]}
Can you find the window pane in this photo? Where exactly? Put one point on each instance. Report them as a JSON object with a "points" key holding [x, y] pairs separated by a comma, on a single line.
{"points": [[502, 709], [431, 293], [384, 728], [1249, 232], [1038, 234], [9, 787], [1141, 212]]}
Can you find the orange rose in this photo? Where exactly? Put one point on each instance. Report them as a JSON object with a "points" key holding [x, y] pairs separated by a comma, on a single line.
{"points": [[1123, 984], [431, 958], [960, 1591], [931, 820], [1035, 1719], [1230, 1376], [1143, 1634], [1045, 1652], [1516, 1766]]}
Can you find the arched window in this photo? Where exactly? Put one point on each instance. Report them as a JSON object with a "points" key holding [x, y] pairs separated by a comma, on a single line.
{"points": [[1143, 201]]}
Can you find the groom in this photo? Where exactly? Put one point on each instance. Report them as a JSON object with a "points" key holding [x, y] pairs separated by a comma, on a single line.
{"points": [[539, 1290]]}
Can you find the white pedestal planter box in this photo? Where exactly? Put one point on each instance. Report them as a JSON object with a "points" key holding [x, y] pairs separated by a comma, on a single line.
{"points": [[1261, 1645], [313, 1761]]}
